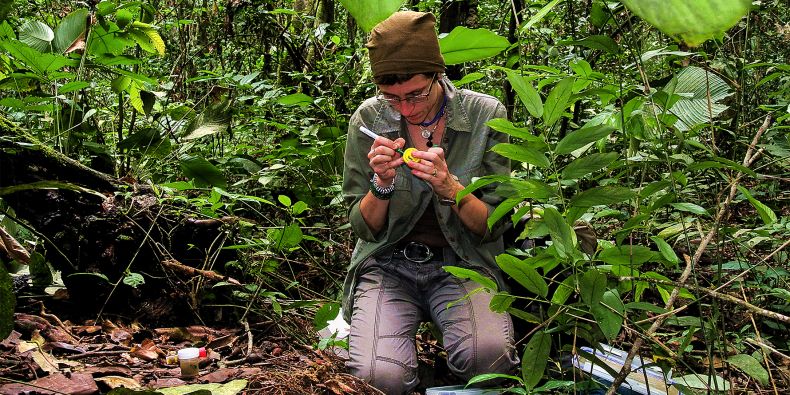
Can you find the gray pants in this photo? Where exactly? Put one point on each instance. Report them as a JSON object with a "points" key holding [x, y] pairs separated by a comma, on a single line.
{"points": [[394, 295]]}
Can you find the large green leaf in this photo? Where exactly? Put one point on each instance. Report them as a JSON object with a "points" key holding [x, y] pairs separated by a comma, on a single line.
{"points": [[582, 137], [562, 236], [71, 30], [627, 255], [557, 101], [7, 303], [535, 358], [146, 37], [287, 237], [326, 313], [751, 366], [522, 153], [766, 214], [37, 35], [469, 274], [505, 126], [526, 93], [41, 63], [368, 13], [588, 164], [592, 287], [605, 195], [693, 22], [202, 171], [523, 274], [700, 92], [466, 45], [540, 14], [609, 314]]}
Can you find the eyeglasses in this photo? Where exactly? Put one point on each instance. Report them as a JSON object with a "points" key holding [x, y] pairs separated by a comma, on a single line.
{"points": [[394, 100]]}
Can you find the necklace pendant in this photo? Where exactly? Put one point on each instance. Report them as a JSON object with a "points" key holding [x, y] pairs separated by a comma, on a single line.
{"points": [[425, 133]]}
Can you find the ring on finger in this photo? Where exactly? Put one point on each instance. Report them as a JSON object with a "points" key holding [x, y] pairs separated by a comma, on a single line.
{"points": [[434, 172]]}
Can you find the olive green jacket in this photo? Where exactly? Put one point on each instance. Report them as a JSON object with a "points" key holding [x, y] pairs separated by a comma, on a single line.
{"points": [[467, 144]]}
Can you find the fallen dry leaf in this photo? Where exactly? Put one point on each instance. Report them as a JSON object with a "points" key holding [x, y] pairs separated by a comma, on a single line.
{"points": [[147, 351], [118, 382], [338, 387], [75, 384]]}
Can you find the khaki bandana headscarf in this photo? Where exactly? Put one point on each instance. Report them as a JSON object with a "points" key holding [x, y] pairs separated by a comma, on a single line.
{"points": [[405, 43]]}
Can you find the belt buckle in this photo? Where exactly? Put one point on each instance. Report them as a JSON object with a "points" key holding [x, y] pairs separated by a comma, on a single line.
{"points": [[417, 252]]}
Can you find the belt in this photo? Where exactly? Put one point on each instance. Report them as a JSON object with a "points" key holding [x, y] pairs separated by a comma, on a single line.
{"points": [[418, 252]]}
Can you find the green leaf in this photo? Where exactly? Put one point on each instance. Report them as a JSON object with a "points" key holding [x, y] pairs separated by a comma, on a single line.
{"points": [[490, 376], [562, 236], [40, 270], [522, 153], [505, 126], [691, 22], [133, 280], [147, 37], [535, 358], [7, 302], [204, 173], [526, 93], [287, 237], [284, 200], [609, 314], [582, 137], [123, 17], [73, 86], [588, 164], [557, 101], [700, 92], [326, 313], [666, 250], [501, 302], [599, 42], [605, 195], [703, 382], [592, 287], [469, 274], [525, 275], [766, 214], [467, 45], [71, 30], [295, 99], [564, 290], [540, 14], [368, 13], [41, 63], [504, 208], [627, 255], [689, 207], [37, 35]]}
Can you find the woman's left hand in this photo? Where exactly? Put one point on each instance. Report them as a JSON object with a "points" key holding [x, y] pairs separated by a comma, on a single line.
{"points": [[432, 168]]}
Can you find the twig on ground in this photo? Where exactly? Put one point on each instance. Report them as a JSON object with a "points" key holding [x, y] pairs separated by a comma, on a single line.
{"points": [[191, 271]]}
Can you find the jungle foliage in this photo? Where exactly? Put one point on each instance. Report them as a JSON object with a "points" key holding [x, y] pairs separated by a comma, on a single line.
{"points": [[659, 126]]}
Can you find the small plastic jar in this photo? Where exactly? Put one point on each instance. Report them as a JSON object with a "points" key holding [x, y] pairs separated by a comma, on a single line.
{"points": [[189, 359]]}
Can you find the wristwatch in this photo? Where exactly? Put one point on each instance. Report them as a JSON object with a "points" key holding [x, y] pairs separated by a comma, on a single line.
{"points": [[445, 201]]}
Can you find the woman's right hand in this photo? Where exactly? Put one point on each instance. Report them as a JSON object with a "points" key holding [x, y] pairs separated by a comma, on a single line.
{"points": [[384, 160]]}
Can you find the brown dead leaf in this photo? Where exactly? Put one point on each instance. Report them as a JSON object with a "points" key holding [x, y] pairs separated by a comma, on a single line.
{"points": [[100, 371], [117, 334], [220, 375], [85, 329], [147, 351], [75, 384], [192, 334], [57, 334], [222, 341], [12, 340], [118, 382], [13, 248]]}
